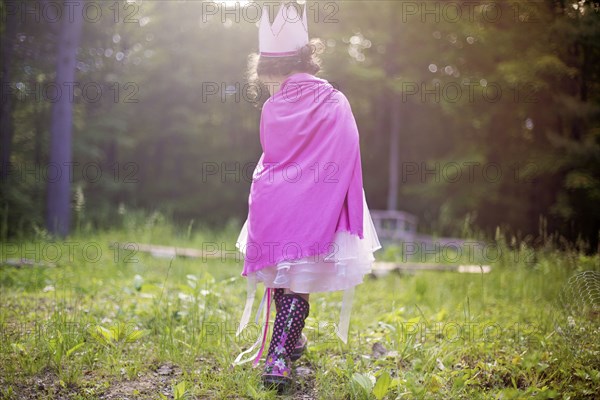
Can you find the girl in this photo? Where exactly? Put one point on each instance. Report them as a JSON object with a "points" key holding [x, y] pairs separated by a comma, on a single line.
{"points": [[308, 228]]}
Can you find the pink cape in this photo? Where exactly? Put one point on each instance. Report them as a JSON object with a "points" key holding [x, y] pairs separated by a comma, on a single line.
{"points": [[308, 182]]}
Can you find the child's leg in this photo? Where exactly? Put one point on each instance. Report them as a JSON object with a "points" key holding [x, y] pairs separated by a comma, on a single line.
{"points": [[303, 295], [287, 331], [302, 342]]}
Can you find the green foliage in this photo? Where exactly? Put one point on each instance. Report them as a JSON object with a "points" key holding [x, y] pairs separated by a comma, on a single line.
{"points": [[166, 327], [384, 381], [118, 334], [179, 392], [363, 384]]}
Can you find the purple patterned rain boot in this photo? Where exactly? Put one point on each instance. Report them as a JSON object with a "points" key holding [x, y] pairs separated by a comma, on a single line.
{"points": [[286, 332], [302, 342]]}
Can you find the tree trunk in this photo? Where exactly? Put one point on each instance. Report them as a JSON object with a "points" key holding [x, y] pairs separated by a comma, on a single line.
{"points": [[6, 127], [392, 203], [58, 215]]}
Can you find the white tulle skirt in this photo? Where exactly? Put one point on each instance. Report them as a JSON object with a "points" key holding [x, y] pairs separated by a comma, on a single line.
{"points": [[343, 267]]}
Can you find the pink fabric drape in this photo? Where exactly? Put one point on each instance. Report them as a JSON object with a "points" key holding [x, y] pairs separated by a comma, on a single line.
{"points": [[308, 182]]}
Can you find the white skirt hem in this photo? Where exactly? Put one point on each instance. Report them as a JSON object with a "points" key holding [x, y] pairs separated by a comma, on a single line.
{"points": [[342, 268]]}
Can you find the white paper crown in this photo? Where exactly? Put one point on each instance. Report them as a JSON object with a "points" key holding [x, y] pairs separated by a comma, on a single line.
{"points": [[286, 36]]}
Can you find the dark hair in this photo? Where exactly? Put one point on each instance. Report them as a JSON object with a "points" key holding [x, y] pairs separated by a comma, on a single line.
{"points": [[307, 60]]}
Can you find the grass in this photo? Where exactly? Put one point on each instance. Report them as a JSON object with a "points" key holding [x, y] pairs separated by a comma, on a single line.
{"points": [[112, 324]]}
